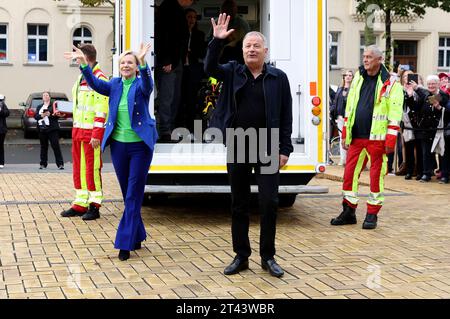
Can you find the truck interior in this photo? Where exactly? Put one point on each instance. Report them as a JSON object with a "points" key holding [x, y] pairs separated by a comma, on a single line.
{"points": [[199, 93]]}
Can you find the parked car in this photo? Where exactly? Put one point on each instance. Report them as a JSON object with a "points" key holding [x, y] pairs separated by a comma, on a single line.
{"points": [[29, 124]]}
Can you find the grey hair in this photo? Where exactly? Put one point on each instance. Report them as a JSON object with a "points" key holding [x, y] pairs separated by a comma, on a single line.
{"points": [[433, 77], [256, 34], [375, 50]]}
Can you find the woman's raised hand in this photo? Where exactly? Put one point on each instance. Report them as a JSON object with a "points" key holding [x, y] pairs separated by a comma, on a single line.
{"points": [[221, 28], [78, 54], [143, 52]]}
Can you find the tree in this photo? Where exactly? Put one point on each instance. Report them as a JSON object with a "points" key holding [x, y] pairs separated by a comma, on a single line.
{"points": [[403, 8], [94, 3]]}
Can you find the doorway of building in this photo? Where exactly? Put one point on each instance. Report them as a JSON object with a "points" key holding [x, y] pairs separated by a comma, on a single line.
{"points": [[405, 53]]}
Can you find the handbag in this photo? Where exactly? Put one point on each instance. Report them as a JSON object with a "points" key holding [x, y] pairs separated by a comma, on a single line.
{"points": [[438, 142]]}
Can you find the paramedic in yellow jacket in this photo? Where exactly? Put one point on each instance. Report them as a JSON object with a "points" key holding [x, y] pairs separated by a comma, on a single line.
{"points": [[90, 110], [372, 121]]}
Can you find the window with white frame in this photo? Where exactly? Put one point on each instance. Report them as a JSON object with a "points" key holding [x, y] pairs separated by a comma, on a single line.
{"points": [[334, 48], [37, 43], [444, 53], [3, 42], [82, 35]]}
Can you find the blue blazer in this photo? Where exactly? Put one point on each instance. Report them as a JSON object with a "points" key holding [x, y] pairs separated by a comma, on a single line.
{"points": [[138, 102]]}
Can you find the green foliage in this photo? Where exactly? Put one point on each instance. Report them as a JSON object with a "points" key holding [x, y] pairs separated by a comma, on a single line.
{"points": [[404, 7], [401, 8], [94, 3]]}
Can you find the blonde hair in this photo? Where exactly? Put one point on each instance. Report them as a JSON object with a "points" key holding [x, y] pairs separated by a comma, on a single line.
{"points": [[343, 76], [402, 75], [129, 52]]}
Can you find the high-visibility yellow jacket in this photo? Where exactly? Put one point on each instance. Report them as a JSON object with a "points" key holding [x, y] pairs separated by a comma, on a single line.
{"points": [[90, 109], [387, 111]]}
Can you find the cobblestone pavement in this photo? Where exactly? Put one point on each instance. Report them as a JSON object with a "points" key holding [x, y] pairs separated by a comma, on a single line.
{"points": [[45, 256]]}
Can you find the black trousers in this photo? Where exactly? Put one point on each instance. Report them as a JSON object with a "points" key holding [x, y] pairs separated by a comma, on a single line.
{"points": [[444, 161], [53, 138], [2, 148], [414, 161], [240, 176], [429, 159]]}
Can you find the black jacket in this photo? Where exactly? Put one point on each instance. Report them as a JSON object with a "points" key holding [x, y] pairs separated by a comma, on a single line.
{"points": [[172, 34], [4, 113], [198, 47], [340, 102], [53, 120], [429, 116], [414, 103], [277, 94]]}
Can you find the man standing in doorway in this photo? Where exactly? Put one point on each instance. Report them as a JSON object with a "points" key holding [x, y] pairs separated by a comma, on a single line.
{"points": [[372, 121], [171, 46], [90, 110], [255, 97]]}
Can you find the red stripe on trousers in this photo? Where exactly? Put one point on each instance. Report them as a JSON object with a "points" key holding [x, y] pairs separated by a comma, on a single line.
{"points": [[89, 165], [376, 150], [76, 156]]}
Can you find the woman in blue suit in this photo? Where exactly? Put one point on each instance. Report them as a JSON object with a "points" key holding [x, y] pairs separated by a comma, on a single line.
{"points": [[131, 133]]}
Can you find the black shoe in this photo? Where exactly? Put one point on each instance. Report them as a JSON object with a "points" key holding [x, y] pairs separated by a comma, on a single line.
{"points": [[425, 179], [137, 246], [273, 268], [347, 217], [236, 266], [418, 177], [70, 213], [61, 167], [92, 213], [408, 176], [443, 180], [43, 167], [370, 222], [124, 255]]}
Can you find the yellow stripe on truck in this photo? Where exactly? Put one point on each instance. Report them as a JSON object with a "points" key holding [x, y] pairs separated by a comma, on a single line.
{"points": [[320, 77], [127, 25]]}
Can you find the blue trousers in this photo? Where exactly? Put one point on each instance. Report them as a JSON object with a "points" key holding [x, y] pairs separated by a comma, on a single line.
{"points": [[131, 162]]}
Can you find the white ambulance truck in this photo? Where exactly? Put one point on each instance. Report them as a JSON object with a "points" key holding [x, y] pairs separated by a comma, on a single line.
{"points": [[297, 35]]}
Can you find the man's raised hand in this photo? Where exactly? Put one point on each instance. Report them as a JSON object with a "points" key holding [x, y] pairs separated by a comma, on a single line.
{"points": [[221, 28]]}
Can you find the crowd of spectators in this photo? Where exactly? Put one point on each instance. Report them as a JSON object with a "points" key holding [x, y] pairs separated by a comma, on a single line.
{"points": [[423, 144]]}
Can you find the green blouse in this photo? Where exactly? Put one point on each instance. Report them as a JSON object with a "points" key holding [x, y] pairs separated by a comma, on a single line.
{"points": [[122, 130]]}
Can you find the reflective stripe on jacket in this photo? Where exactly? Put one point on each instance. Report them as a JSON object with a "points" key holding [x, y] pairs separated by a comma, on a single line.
{"points": [[90, 110], [387, 111]]}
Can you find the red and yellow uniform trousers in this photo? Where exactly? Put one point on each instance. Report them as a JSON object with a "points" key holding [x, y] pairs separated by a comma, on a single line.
{"points": [[386, 117], [89, 116], [358, 154]]}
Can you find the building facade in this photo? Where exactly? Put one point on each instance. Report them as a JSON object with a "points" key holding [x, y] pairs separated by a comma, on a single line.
{"points": [[34, 34], [421, 43]]}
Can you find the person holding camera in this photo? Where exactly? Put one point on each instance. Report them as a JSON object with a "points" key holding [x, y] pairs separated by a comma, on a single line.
{"points": [[4, 113], [340, 102], [48, 127], [410, 123], [435, 102]]}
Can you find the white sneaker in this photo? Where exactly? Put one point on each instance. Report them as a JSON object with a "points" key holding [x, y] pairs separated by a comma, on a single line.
{"points": [[2, 166]]}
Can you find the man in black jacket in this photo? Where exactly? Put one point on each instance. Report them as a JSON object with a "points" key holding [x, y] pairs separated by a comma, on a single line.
{"points": [[4, 113], [171, 43], [254, 97]]}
